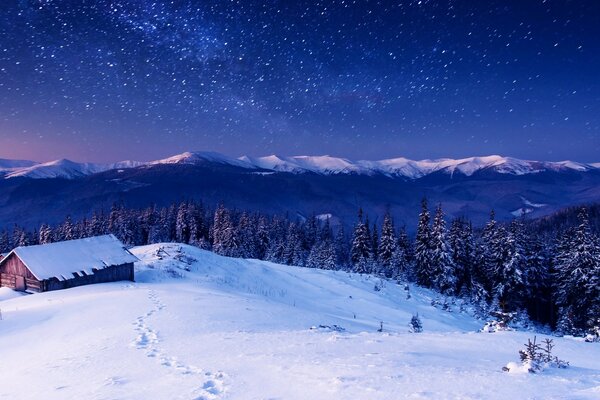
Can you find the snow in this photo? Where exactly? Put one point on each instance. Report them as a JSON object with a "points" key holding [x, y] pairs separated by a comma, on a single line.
{"points": [[7, 165], [67, 169], [326, 165], [7, 293], [395, 167], [62, 259], [199, 326], [199, 157]]}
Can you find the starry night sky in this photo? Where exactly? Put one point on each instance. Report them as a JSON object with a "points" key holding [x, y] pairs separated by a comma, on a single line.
{"points": [[133, 79]]}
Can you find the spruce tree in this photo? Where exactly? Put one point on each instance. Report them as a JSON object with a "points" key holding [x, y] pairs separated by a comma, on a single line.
{"points": [[576, 290], [442, 268], [423, 254], [361, 247], [387, 246], [510, 287]]}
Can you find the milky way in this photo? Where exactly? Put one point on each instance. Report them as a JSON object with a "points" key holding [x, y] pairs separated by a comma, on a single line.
{"points": [[105, 80]]}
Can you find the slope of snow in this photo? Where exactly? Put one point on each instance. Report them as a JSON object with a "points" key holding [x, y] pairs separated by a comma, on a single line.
{"points": [[412, 169], [13, 164], [201, 157], [199, 326], [299, 164], [326, 165], [67, 169]]}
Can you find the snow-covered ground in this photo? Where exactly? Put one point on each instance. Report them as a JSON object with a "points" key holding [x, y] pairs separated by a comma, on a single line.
{"points": [[199, 326]]}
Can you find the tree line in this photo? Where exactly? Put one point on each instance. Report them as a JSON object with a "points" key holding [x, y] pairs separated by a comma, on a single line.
{"points": [[551, 276]]}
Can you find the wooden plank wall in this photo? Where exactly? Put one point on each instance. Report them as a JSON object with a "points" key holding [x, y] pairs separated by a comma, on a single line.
{"points": [[14, 267]]}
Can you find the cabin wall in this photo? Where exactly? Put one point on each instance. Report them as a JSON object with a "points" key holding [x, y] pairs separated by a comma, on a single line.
{"points": [[115, 273], [11, 269]]}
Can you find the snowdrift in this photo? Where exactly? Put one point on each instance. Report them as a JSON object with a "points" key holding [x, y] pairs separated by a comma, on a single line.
{"points": [[199, 326]]}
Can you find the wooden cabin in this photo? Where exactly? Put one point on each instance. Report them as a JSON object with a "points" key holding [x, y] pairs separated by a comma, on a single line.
{"points": [[67, 264]]}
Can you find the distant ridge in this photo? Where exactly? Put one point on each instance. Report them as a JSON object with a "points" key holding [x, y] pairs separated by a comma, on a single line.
{"points": [[324, 165]]}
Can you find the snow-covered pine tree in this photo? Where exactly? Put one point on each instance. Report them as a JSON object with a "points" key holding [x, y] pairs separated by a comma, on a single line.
{"points": [[387, 246], [423, 254], [342, 251], [576, 288], [293, 253], [182, 226], [4, 241], [375, 249], [45, 234], [322, 255], [225, 240], [442, 269], [399, 265], [510, 285], [361, 247], [277, 236], [462, 248], [537, 278], [415, 325], [66, 230], [262, 237], [247, 238], [20, 237], [494, 253]]}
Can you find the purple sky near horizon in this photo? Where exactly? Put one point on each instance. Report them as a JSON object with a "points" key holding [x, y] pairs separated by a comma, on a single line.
{"points": [[110, 80]]}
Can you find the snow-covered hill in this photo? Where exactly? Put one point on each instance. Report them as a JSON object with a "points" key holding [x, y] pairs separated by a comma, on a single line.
{"points": [[324, 165], [6, 165], [199, 326], [67, 169]]}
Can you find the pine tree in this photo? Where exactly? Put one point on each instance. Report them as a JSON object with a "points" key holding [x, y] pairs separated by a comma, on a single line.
{"points": [[247, 237], [510, 287], [225, 241], [442, 268], [537, 278], [361, 247], [293, 253], [45, 234], [342, 250], [262, 237], [494, 254], [576, 289], [4, 242], [387, 247], [183, 229], [322, 255], [67, 230], [423, 246]]}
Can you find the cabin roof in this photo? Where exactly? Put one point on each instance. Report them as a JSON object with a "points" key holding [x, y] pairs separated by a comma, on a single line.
{"points": [[62, 259]]}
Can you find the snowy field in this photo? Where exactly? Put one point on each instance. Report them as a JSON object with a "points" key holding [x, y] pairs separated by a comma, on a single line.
{"points": [[199, 326]]}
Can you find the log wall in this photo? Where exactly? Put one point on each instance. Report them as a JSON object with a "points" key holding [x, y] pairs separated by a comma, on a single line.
{"points": [[13, 267]]}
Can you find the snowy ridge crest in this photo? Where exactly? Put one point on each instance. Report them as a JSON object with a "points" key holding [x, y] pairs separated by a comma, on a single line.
{"points": [[323, 165]]}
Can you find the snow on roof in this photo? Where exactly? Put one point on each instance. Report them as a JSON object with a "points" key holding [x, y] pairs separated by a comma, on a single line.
{"points": [[62, 259]]}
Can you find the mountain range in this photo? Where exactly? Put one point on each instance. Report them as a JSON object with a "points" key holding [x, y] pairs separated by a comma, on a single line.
{"points": [[32, 193], [324, 165]]}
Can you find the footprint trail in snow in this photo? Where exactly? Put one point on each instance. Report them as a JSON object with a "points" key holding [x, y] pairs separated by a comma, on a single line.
{"points": [[148, 340]]}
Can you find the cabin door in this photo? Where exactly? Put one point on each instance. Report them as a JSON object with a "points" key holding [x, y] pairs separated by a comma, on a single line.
{"points": [[20, 283]]}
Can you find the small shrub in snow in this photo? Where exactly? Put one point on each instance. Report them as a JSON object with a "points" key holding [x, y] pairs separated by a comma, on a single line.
{"points": [[407, 289], [536, 357], [328, 328], [594, 333], [415, 325], [495, 326], [501, 323]]}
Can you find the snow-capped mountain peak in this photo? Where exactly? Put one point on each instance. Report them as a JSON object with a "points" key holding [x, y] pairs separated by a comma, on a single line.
{"points": [[399, 167], [66, 169], [198, 157]]}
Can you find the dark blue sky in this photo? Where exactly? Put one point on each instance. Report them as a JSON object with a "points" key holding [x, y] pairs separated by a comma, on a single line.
{"points": [[109, 80]]}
